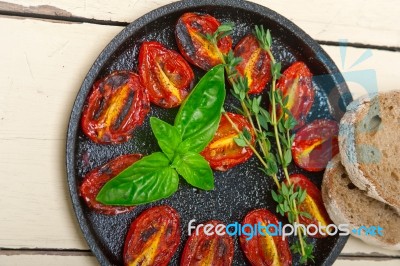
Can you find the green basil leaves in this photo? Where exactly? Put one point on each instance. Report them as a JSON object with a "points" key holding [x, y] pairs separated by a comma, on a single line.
{"points": [[155, 176], [146, 180], [167, 136], [198, 118]]}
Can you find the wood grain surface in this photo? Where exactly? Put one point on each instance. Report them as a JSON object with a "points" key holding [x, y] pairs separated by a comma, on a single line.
{"points": [[44, 57], [370, 22]]}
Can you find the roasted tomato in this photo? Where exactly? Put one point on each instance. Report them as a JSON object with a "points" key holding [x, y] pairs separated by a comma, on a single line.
{"points": [[296, 83], [255, 64], [222, 152], [202, 249], [95, 180], [316, 144], [264, 249], [190, 32], [312, 204], [153, 237], [116, 105], [166, 75]]}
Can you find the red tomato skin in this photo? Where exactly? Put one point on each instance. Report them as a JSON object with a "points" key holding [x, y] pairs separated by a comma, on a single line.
{"points": [[148, 224], [197, 246], [95, 180], [320, 130], [190, 31], [224, 158], [253, 248], [255, 64], [107, 117], [166, 75], [301, 97], [303, 182]]}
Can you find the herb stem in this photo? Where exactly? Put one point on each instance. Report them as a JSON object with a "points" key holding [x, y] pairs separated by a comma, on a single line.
{"points": [[278, 144], [280, 135], [299, 231], [231, 79], [263, 144], [258, 155], [247, 114], [249, 118], [246, 140], [274, 119]]}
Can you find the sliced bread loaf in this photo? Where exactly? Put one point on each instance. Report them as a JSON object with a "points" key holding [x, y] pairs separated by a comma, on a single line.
{"points": [[346, 204], [369, 142]]}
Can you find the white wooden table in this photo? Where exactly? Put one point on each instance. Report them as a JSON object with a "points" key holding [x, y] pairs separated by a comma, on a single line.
{"points": [[47, 47]]}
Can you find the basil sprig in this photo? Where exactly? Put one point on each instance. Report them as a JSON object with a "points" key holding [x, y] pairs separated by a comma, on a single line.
{"points": [[155, 176]]}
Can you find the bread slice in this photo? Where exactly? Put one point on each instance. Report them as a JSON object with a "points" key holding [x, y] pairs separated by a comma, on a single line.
{"points": [[346, 204], [369, 142]]}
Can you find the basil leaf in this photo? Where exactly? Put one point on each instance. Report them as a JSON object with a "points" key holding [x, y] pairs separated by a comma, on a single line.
{"points": [[147, 180], [195, 170], [167, 136], [198, 117]]}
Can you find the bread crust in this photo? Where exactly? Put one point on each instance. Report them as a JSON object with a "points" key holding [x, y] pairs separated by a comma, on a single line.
{"points": [[348, 150], [335, 207]]}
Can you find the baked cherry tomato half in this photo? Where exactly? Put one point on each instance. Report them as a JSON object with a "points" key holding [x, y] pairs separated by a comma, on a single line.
{"points": [[215, 249], [165, 74], [95, 180], [190, 33], [268, 247], [255, 64], [116, 105], [316, 144], [153, 237], [296, 83], [312, 205], [222, 152]]}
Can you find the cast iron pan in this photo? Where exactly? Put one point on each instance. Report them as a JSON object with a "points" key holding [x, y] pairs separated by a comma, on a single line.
{"points": [[238, 190]]}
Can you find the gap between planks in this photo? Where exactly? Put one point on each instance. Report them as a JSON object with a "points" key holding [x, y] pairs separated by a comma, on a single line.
{"points": [[54, 14], [81, 252], [41, 251], [73, 19], [62, 18]]}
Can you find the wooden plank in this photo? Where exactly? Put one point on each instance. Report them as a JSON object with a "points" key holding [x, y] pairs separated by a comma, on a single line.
{"points": [[40, 9], [366, 70], [47, 260], [87, 260], [368, 22], [356, 261], [355, 247], [43, 65]]}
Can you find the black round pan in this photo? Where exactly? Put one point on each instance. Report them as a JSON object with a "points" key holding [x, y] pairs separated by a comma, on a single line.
{"points": [[238, 190]]}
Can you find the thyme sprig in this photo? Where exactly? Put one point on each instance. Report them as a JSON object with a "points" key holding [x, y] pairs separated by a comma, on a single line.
{"points": [[225, 29], [287, 198], [268, 126]]}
